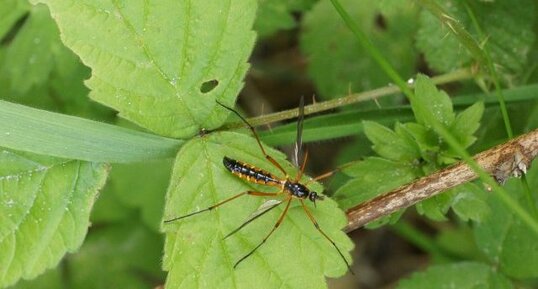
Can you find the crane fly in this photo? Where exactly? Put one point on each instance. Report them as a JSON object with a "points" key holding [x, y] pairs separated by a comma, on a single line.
{"points": [[290, 188]]}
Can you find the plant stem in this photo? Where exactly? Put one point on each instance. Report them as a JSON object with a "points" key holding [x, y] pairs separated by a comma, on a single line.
{"points": [[453, 76], [493, 72]]}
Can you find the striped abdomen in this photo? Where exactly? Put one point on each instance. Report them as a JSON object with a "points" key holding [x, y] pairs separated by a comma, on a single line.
{"points": [[250, 173]]}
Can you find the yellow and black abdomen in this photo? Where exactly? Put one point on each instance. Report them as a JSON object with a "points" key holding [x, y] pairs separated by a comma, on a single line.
{"points": [[250, 173]]}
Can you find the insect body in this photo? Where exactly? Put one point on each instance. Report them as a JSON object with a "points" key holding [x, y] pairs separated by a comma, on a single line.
{"points": [[289, 189], [259, 176]]}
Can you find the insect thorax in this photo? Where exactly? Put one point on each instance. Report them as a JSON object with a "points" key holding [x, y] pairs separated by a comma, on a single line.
{"points": [[297, 190]]}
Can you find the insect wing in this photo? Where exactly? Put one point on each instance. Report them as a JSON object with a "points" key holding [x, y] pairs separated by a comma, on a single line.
{"points": [[298, 150], [263, 208]]}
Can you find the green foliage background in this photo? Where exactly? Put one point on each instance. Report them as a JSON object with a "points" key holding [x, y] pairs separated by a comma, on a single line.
{"points": [[102, 103]]}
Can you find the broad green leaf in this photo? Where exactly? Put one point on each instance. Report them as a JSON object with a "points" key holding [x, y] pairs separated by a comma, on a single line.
{"points": [[508, 30], [114, 256], [274, 15], [45, 204], [373, 177], [48, 133], [196, 256], [390, 144], [149, 60], [504, 238], [10, 12], [337, 62], [431, 101], [466, 275]]}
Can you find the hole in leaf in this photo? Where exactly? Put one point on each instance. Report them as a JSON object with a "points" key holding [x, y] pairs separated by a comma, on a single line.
{"points": [[380, 22], [209, 85]]}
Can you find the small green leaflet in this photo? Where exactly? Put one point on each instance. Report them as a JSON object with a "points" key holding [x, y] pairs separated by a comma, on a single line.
{"points": [[295, 256], [412, 150], [373, 177], [45, 211], [150, 60]]}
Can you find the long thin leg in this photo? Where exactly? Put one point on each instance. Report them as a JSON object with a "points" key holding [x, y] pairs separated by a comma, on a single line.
{"points": [[268, 157], [268, 235], [252, 218], [329, 173], [325, 235], [262, 194]]}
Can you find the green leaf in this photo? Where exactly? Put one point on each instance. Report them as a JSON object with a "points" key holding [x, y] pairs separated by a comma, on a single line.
{"points": [[385, 220], [196, 256], [470, 203], [10, 12], [337, 62], [39, 71], [149, 60], [48, 133], [504, 238], [46, 204], [426, 139], [436, 207], [121, 255], [508, 30], [274, 15], [466, 275], [466, 124], [429, 100], [390, 144], [373, 177]]}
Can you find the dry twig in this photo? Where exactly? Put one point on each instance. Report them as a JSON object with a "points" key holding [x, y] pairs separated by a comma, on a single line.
{"points": [[509, 159]]}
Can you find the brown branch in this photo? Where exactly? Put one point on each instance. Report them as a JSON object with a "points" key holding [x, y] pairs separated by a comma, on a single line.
{"points": [[502, 161]]}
